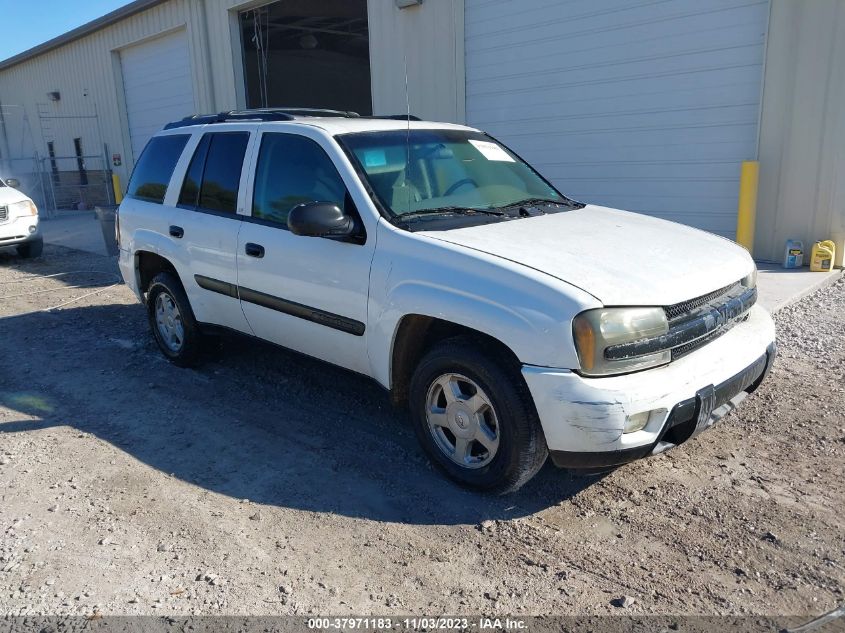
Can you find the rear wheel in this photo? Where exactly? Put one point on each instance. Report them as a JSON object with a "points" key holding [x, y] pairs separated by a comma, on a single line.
{"points": [[31, 249], [474, 417], [172, 321]]}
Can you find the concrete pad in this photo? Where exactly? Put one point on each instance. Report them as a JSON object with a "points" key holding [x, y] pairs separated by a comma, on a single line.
{"points": [[79, 230], [778, 287]]}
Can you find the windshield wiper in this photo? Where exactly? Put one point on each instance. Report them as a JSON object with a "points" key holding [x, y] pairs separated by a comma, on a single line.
{"points": [[450, 210], [537, 202]]}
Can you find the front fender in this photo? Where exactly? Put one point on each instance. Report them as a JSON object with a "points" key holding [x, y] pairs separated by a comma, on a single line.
{"points": [[527, 311]]}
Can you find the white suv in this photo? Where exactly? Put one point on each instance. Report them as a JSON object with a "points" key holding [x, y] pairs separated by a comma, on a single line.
{"points": [[514, 322], [19, 220]]}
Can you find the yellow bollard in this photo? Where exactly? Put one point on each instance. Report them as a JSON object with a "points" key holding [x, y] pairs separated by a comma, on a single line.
{"points": [[747, 210], [118, 192]]}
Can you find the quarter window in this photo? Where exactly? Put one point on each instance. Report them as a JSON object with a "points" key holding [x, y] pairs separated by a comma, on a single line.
{"points": [[155, 167], [214, 174], [291, 170]]}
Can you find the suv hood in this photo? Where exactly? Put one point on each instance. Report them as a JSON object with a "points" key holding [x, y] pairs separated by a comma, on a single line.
{"points": [[619, 257]]}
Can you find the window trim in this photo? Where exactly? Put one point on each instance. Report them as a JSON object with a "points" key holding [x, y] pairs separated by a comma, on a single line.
{"points": [[196, 149], [244, 163], [360, 237], [173, 173]]}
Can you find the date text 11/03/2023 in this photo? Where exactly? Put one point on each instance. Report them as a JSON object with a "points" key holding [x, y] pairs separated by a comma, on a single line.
{"points": [[418, 623]]}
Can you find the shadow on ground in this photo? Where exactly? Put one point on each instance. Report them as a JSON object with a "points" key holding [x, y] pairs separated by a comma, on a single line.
{"points": [[254, 422], [57, 273]]}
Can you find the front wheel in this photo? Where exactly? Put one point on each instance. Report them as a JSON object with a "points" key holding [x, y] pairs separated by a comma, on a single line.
{"points": [[474, 417], [172, 321]]}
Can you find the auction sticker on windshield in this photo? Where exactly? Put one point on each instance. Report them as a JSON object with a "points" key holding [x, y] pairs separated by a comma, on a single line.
{"points": [[491, 151]]}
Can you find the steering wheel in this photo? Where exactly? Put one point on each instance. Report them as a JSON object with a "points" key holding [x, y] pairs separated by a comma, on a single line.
{"points": [[459, 184]]}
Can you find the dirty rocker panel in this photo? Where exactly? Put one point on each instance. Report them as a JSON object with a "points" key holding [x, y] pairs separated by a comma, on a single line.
{"points": [[315, 315]]}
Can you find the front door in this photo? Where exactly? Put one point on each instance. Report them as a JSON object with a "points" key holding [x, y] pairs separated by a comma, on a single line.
{"points": [[306, 293]]}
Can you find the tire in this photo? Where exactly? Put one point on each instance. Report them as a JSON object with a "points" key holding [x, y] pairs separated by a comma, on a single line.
{"points": [[31, 249], [514, 447], [172, 321]]}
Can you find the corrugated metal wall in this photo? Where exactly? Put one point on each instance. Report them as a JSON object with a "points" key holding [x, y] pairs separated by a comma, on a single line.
{"points": [[802, 136], [431, 38], [87, 71], [647, 106]]}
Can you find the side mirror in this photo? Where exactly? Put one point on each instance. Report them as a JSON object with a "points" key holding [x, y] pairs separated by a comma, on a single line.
{"points": [[320, 219], [13, 182]]}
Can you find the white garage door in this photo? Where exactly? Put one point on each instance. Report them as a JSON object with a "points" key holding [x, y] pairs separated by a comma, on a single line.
{"points": [[647, 106], [158, 87]]}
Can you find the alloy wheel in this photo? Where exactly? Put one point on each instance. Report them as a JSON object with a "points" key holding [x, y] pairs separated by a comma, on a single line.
{"points": [[462, 420]]}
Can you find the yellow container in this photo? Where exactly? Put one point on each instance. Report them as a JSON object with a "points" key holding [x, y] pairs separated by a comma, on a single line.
{"points": [[821, 260]]}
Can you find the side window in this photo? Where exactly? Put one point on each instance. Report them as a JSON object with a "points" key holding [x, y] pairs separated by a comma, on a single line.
{"points": [[189, 195], [155, 167], [211, 182], [291, 170]]}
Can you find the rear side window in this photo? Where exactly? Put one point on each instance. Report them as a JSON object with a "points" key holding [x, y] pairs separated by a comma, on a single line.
{"points": [[189, 196], [211, 182], [291, 170], [155, 167]]}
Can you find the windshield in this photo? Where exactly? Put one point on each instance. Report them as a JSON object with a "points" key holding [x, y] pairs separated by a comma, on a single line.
{"points": [[427, 170]]}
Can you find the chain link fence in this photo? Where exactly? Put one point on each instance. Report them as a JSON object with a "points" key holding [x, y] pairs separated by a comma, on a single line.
{"points": [[56, 180]]}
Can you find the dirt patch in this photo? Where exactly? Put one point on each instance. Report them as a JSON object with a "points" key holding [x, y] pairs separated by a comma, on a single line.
{"points": [[269, 483]]}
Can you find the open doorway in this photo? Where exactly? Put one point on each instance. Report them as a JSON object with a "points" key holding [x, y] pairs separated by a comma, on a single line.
{"points": [[307, 53]]}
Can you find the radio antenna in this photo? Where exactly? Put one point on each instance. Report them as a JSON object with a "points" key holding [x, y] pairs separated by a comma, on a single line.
{"points": [[408, 130]]}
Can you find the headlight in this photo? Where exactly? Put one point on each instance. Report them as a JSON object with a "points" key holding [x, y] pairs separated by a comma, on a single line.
{"points": [[597, 330], [24, 207], [750, 280]]}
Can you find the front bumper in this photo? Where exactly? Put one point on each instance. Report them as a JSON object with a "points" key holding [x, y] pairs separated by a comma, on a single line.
{"points": [[17, 231], [583, 418], [687, 419]]}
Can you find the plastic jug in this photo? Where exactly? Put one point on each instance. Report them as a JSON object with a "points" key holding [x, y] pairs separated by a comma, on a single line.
{"points": [[821, 259], [793, 256]]}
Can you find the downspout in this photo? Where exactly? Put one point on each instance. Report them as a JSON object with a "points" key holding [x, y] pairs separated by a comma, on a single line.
{"points": [[6, 156], [206, 50], [763, 81]]}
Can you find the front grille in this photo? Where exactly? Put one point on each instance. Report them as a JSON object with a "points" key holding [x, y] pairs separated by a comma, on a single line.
{"points": [[726, 307], [675, 312], [4, 214], [693, 323], [685, 349]]}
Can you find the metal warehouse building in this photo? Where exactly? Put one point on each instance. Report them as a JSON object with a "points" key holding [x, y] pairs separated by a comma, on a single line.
{"points": [[644, 105]]}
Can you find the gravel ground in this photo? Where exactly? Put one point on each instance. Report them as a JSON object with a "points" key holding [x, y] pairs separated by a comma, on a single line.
{"points": [[269, 483]]}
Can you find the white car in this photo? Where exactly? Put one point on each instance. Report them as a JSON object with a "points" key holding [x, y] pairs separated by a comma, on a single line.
{"points": [[514, 322], [19, 220]]}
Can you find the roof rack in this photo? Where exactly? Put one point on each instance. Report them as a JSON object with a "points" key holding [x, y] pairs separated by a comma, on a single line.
{"points": [[258, 114], [277, 114], [222, 117], [345, 114], [393, 117]]}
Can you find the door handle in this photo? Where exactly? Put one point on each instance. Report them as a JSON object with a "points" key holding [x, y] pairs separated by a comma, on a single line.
{"points": [[176, 231], [254, 250]]}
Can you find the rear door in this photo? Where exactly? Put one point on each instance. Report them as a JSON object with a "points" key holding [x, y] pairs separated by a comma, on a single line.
{"points": [[306, 293], [206, 221]]}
